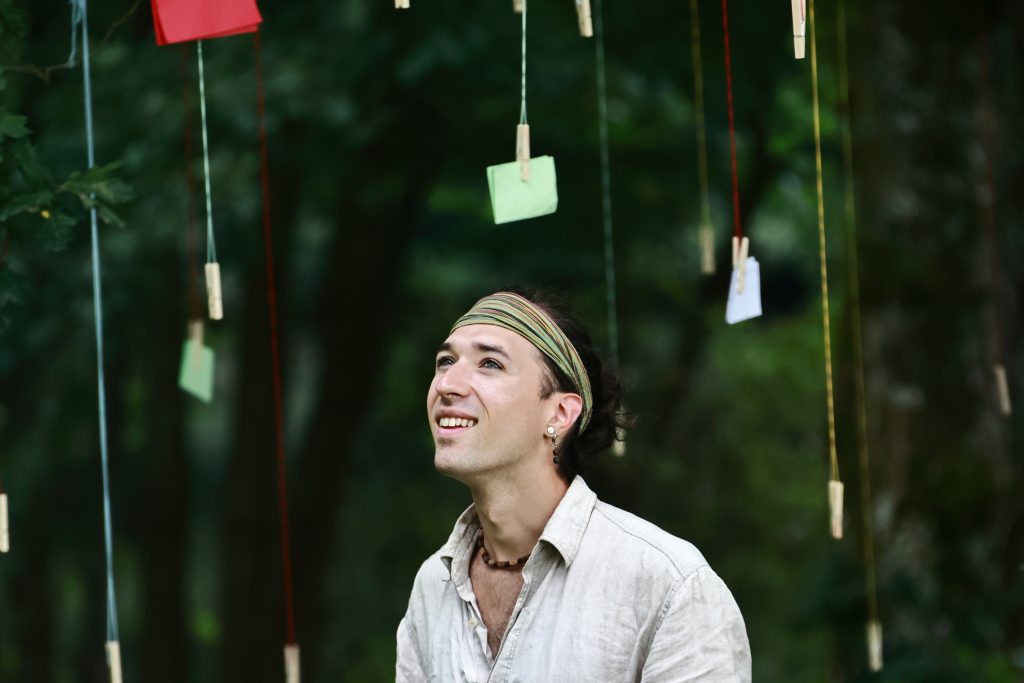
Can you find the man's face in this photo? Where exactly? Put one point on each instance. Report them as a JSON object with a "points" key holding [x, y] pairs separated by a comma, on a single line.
{"points": [[484, 404]]}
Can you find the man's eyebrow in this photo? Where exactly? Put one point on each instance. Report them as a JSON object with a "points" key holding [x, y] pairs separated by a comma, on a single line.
{"points": [[491, 348], [481, 347]]}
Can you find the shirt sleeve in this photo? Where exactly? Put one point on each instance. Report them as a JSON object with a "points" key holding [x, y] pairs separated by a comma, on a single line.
{"points": [[409, 664], [701, 637]]}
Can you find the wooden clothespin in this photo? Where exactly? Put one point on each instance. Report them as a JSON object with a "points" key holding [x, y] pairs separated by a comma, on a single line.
{"points": [[5, 530], [584, 18], [523, 150], [114, 660], [213, 293], [799, 28], [1003, 389], [835, 507], [195, 334], [291, 663], [875, 645], [517, 6], [707, 249], [740, 252], [401, 4]]}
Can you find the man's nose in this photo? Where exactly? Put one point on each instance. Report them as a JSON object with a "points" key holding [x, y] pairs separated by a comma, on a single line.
{"points": [[454, 380]]}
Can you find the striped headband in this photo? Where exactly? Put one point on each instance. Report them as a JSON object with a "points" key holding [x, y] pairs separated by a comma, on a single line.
{"points": [[519, 315]]}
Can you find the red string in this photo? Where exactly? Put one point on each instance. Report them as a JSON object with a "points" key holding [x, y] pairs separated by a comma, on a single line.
{"points": [[275, 359], [193, 230], [737, 228]]}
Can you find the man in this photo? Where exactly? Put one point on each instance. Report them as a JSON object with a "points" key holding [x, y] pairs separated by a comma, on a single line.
{"points": [[541, 582]]}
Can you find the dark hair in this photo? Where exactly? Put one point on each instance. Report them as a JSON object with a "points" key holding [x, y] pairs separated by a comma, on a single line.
{"points": [[608, 421]]}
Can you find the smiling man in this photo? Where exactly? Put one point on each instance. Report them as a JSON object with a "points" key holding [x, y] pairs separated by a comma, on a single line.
{"points": [[540, 582]]}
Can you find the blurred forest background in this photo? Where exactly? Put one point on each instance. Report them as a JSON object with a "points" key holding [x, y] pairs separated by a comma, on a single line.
{"points": [[381, 124]]}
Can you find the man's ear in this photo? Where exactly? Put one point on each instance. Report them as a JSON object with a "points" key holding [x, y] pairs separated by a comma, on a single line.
{"points": [[567, 411]]}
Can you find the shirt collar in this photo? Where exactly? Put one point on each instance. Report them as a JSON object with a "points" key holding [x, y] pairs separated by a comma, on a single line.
{"points": [[564, 530]]}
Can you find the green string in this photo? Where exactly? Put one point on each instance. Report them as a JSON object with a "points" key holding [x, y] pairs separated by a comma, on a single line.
{"points": [[211, 247], [853, 271], [606, 184], [522, 92], [698, 94]]}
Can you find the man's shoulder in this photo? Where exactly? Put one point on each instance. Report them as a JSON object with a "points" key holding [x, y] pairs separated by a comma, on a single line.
{"points": [[626, 535], [433, 569]]}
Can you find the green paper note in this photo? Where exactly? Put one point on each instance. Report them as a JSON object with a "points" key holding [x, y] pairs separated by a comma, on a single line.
{"points": [[196, 375], [515, 200]]}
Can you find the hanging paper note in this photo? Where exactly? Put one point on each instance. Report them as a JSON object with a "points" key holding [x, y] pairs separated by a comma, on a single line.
{"points": [[746, 304], [176, 21], [291, 663], [799, 28], [196, 375], [514, 199], [5, 534]]}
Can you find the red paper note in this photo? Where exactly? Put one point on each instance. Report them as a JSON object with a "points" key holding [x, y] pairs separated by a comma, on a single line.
{"points": [[177, 21]]}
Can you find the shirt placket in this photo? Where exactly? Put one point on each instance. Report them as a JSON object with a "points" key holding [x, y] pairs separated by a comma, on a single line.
{"points": [[475, 656], [502, 664]]}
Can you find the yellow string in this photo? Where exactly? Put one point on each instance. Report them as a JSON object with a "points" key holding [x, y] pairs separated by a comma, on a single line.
{"points": [[698, 90], [855, 319], [833, 457]]}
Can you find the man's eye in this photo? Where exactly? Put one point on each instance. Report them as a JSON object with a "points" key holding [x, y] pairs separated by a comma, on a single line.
{"points": [[491, 364], [444, 361]]}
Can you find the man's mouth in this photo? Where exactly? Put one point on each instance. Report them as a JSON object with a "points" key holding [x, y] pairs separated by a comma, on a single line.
{"points": [[455, 423]]}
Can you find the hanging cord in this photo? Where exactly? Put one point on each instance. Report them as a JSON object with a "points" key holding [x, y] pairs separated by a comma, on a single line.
{"points": [[79, 12], [522, 90], [193, 228], [606, 185], [619, 444], [5, 536], [996, 269], [853, 270], [737, 227], [211, 247], [275, 357], [833, 457], [707, 235]]}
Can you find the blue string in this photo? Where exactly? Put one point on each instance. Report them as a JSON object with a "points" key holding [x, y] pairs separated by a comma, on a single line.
{"points": [[76, 18], [78, 15], [211, 247]]}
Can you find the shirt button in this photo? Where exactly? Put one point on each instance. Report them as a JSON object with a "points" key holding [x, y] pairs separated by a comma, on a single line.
{"points": [[473, 622]]}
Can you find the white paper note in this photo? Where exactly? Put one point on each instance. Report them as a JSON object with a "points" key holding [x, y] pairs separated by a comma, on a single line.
{"points": [[748, 304]]}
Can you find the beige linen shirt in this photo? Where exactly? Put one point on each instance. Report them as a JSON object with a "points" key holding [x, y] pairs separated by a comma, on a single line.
{"points": [[606, 597]]}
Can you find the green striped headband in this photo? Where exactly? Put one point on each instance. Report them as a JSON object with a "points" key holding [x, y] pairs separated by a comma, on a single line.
{"points": [[519, 315]]}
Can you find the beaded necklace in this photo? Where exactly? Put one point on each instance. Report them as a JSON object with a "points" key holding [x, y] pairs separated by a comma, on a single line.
{"points": [[494, 564]]}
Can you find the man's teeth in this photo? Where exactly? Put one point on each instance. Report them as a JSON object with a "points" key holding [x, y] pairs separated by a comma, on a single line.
{"points": [[456, 422]]}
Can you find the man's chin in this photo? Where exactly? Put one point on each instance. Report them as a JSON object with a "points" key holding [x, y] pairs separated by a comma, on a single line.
{"points": [[452, 462]]}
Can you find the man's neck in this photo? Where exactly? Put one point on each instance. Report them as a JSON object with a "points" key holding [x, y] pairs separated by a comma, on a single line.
{"points": [[513, 511]]}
